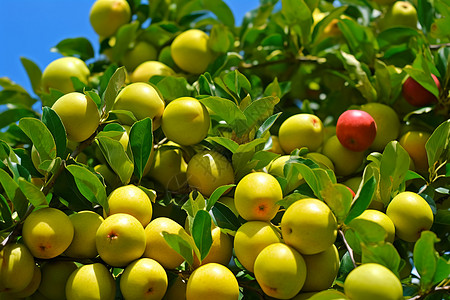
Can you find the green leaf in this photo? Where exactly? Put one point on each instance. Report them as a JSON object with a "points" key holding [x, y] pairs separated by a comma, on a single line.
{"points": [[242, 157], [14, 193], [218, 7], [34, 73], [338, 197], [235, 82], [383, 254], [125, 36], [298, 14], [361, 231], [225, 142], [80, 47], [362, 200], [172, 87], [259, 110], [66, 190], [228, 111], [180, 245], [53, 122], [50, 99], [116, 157], [291, 199], [13, 115], [218, 192], [96, 98], [437, 146], [224, 217], [33, 193], [425, 258], [201, 232], [442, 270], [192, 206], [218, 39], [423, 76], [89, 185], [41, 137], [15, 97], [393, 168], [141, 142], [116, 81], [5, 216]]}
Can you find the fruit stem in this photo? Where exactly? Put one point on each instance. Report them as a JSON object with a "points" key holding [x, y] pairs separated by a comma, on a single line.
{"points": [[349, 249]]}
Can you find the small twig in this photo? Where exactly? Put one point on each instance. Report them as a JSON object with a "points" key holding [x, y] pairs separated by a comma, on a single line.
{"points": [[435, 290], [349, 249], [437, 46]]}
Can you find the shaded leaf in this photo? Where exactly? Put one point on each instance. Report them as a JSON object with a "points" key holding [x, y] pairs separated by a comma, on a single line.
{"points": [[201, 232], [218, 192], [116, 157], [41, 137], [362, 200], [80, 47], [14, 193], [33, 193], [53, 122], [141, 142]]}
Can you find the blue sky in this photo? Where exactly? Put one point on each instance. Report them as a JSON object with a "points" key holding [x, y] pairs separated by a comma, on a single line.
{"points": [[30, 28]]}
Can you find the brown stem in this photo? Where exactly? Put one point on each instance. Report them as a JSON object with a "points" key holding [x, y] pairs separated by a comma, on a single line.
{"points": [[315, 60], [435, 290]]}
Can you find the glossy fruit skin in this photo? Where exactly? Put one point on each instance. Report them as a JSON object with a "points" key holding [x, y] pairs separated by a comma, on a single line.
{"points": [[16, 268], [185, 121], [251, 238], [256, 195], [417, 95], [169, 168], [309, 226], [148, 69], [120, 239], [190, 51], [356, 130], [329, 295], [276, 168], [106, 16], [30, 289], [212, 281], [157, 247], [143, 101], [79, 115], [57, 75], [55, 274], [387, 121], [143, 279], [414, 143], [141, 52], [130, 199], [381, 219], [372, 281], [47, 232], [345, 161], [280, 271], [91, 282], [301, 130], [221, 249], [208, 170], [321, 269], [410, 214], [400, 14], [85, 224]]}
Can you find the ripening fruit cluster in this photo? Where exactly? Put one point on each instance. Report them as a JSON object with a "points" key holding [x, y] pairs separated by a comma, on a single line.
{"points": [[290, 252]]}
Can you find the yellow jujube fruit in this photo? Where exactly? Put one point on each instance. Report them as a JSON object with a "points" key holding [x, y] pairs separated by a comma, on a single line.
{"points": [[57, 75]]}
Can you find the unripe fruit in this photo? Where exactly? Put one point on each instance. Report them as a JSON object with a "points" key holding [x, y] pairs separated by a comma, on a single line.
{"points": [[345, 161], [212, 281], [47, 232], [143, 279], [190, 51], [301, 130], [414, 143], [309, 226], [85, 224], [276, 168], [256, 196], [131, 200], [356, 130], [79, 115], [321, 269], [387, 121], [143, 101], [106, 16], [120, 239], [55, 274], [410, 214], [91, 282], [372, 281], [280, 271], [185, 121], [400, 14], [141, 52], [16, 268], [57, 75], [416, 94], [251, 238], [209, 170], [156, 246], [148, 69]]}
